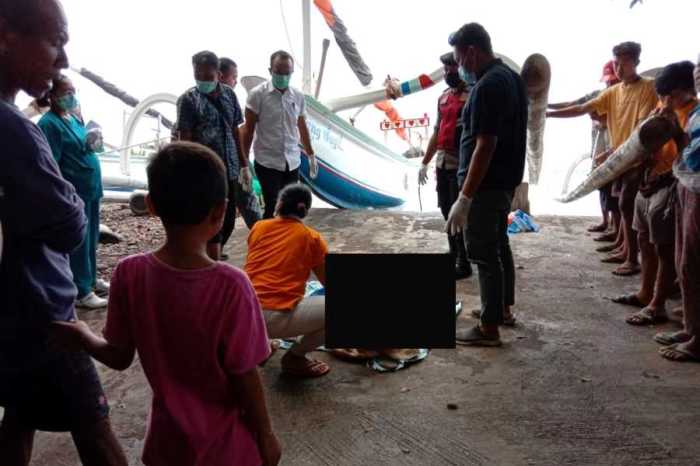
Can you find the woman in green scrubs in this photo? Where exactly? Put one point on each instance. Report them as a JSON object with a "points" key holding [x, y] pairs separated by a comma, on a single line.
{"points": [[79, 165]]}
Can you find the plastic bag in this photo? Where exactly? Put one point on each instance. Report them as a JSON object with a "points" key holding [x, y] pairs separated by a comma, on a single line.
{"points": [[314, 288], [520, 222], [95, 140]]}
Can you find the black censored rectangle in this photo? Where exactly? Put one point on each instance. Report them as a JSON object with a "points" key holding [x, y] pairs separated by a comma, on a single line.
{"points": [[379, 301]]}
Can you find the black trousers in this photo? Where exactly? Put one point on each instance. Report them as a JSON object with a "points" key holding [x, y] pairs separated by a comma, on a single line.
{"points": [[229, 218], [272, 181], [447, 193], [489, 249]]}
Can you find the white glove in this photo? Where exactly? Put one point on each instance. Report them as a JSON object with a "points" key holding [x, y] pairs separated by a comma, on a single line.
{"points": [[423, 174], [459, 213], [246, 179], [313, 167]]}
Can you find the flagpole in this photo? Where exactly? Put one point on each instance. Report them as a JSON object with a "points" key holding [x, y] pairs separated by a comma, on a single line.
{"points": [[306, 20]]}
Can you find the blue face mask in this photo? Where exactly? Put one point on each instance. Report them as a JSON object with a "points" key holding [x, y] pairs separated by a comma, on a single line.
{"points": [[206, 87], [281, 81], [68, 102], [468, 77]]}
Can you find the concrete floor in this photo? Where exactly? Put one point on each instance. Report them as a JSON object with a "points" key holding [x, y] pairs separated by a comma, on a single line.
{"points": [[573, 384]]}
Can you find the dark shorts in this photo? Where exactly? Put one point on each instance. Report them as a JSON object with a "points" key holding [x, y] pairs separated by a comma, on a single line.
{"points": [[655, 216], [626, 187], [607, 201], [62, 394]]}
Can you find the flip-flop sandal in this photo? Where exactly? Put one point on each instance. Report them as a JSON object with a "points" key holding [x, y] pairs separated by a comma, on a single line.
{"points": [[606, 248], [313, 368], [630, 299], [609, 238], [613, 260], [386, 364], [671, 338], [625, 272], [646, 317], [678, 354], [597, 229]]}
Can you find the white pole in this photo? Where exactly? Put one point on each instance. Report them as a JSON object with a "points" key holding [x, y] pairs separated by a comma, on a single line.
{"points": [[306, 19]]}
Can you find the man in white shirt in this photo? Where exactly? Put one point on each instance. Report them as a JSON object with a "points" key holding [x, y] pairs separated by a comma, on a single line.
{"points": [[276, 114]]}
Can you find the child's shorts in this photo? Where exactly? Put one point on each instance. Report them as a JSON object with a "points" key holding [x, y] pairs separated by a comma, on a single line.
{"points": [[61, 394], [655, 216]]}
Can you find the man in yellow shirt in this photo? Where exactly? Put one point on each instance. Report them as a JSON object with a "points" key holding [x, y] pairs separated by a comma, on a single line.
{"points": [[625, 105], [654, 218]]}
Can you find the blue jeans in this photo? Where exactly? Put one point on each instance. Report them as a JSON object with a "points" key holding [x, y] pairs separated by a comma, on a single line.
{"points": [[488, 247]]}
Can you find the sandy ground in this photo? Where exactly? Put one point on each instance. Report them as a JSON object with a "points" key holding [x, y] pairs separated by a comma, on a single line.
{"points": [[573, 384]]}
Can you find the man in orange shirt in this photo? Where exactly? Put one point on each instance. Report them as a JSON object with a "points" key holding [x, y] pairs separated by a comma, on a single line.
{"points": [[654, 218], [625, 105]]}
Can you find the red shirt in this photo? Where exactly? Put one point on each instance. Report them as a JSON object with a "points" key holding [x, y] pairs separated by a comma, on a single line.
{"points": [[450, 108], [192, 330]]}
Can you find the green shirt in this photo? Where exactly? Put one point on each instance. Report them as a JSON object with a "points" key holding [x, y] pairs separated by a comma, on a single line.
{"points": [[77, 163]]}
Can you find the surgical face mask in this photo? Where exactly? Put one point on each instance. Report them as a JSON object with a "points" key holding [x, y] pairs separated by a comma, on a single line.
{"points": [[206, 87], [468, 77], [68, 102], [281, 81], [453, 80]]}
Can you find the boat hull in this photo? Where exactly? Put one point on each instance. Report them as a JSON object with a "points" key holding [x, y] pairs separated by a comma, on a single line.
{"points": [[355, 171]]}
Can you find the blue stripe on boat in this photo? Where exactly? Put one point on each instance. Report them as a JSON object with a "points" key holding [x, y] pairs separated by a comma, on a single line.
{"points": [[343, 191]]}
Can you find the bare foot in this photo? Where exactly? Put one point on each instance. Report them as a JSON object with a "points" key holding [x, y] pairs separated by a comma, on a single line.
{"points": [[599, 228], [613, 259], [606, 248], [302, 366], [606, 238], [627, 270], [688, 351]]}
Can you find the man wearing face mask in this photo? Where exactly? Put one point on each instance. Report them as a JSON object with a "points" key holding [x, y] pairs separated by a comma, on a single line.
{"points": [[445, 142], [246, 200], [492, 163], [209, 114], [276, 114]]}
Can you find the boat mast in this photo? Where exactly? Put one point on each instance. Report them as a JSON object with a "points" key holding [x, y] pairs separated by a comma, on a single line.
{"points": [[306, 20]]}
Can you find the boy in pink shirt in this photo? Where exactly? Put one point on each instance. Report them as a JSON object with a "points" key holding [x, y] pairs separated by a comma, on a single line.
{"points": [[196, 324]]}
